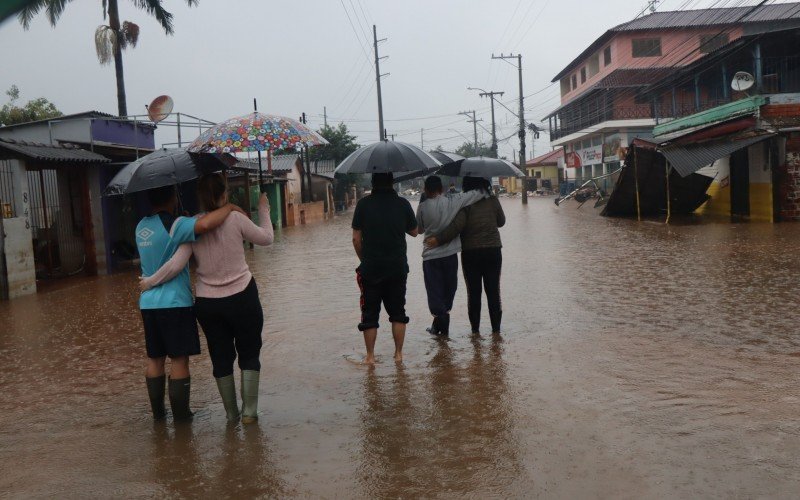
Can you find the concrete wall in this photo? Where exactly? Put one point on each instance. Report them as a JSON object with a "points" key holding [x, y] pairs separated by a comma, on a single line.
{"points": [[720, 189], [761, 207], [305, 213], [19, 257]]}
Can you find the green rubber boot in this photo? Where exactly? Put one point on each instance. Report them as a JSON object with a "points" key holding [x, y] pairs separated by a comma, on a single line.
{"points": [[227, 390], [179, 398], [155, 390], [249, 396]]}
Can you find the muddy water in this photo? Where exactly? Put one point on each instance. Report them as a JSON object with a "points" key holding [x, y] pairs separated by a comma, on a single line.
{"points": [[637, 361]]}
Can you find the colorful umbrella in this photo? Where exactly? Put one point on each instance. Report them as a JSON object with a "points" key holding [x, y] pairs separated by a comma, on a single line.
{"points": [[256, 132]]}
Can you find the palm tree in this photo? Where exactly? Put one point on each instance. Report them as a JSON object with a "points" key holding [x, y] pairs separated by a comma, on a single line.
{"points": [[109, 39]]}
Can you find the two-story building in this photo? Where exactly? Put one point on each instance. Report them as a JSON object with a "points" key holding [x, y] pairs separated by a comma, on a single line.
{"points": [[604, 103]]}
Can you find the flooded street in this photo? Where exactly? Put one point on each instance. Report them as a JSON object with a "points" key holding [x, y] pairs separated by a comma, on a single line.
{"points": [[638, 360]]}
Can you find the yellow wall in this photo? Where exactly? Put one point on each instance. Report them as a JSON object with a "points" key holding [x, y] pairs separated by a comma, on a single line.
{"points": [[761, 202], [720, 202]]}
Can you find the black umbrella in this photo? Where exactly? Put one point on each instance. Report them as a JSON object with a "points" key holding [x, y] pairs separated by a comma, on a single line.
{"points": [[446, 157], [165, 167], [479, 166], [389, 156]]}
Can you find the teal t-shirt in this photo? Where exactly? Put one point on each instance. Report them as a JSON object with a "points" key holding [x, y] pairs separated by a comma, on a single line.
{"points": [[156, 247]]}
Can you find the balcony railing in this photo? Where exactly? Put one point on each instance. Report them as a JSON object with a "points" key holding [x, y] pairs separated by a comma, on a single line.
{"points": [[663, 111]]}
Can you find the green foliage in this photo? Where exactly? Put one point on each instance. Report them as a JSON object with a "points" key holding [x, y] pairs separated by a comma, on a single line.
{"points": [[468, 150], [37, 109], [342, 144]]}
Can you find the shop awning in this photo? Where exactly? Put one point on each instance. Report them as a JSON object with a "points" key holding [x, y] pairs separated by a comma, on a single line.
{"points": [[689, 158]]}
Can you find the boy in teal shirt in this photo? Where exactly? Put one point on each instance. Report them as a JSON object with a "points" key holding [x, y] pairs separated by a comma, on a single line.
{"points": [[168, 310]]}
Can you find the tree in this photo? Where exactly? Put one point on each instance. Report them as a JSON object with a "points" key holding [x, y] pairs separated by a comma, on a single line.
{"points": [[37, 109], [341, 143], [468, 150], [109, 39]]}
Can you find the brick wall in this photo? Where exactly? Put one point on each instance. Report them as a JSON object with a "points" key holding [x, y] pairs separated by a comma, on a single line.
{"points": [[790, 181]]}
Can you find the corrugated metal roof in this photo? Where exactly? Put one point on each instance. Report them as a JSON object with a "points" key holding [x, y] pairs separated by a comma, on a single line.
{"points": [[549, 158], [712, 17], [687, 159], [698, 18], [73, 116], [45, 152], [280, 163]]}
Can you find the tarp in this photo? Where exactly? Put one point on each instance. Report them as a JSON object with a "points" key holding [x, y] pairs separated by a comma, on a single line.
{"points": [[689, 158]]}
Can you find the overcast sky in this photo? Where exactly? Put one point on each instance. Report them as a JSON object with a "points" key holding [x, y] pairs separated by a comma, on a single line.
{"points": [[302, 56]]}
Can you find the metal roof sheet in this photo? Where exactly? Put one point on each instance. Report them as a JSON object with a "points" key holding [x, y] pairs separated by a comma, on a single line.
{"points": [[698, 18], [46, 152], [549, 158], [689, 158], [280, 163]]}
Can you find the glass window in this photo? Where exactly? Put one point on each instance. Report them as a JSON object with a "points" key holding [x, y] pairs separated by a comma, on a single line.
{"points": [[565, 86], [583, 74], [607, 56], [710, 43], [594, 65], [597, 140], [586, 144], [646, 47], [574, 82]]}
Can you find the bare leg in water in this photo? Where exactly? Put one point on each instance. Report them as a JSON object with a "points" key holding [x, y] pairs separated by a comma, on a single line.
{"points": [[399, 334], [370, 335]]}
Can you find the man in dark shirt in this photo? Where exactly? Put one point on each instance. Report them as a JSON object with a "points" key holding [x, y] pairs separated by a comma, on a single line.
{"points": [[380, 224]]}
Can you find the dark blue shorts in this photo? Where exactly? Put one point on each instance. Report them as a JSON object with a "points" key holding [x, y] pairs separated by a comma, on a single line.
{"points": [[170, 332]]}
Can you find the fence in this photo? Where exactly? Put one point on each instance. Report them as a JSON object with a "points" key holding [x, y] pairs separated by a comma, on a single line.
{"points": [[7, 201]]}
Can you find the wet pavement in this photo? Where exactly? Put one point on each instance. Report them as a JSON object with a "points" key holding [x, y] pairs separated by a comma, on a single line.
{"points": [[637, 360]]}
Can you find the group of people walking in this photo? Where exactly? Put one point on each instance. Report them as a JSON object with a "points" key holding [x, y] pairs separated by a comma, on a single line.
{"points": [[227, 303], [451, 222]]}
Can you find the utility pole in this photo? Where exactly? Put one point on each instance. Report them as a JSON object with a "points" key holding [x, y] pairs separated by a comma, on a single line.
{"points": [[325, 116], [490, 95], [518, 57], [474, 128], [378, 75], [307, 167]]}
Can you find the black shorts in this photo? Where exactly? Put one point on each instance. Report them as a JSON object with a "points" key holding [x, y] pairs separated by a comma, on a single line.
{"points": [[170, 332], [391, 291]]}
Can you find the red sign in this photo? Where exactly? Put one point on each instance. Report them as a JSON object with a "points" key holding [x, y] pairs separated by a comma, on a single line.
{"points": [[573, 160]]}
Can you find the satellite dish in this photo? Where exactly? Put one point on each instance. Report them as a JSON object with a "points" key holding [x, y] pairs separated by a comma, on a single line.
{"points": [[160, 108], [742, 81]]}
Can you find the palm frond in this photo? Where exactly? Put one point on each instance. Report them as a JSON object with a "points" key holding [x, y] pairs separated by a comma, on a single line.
{"points": [[155, 9], [192, 3], [129, 35], [105, 43], [29, 11], [52, 8]]}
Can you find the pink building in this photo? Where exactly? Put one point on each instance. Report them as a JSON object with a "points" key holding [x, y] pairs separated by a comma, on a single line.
{"points": [[604, 99]]}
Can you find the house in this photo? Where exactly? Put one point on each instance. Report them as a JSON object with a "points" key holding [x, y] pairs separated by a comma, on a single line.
{"points": [[61, 166], [749, 142], [604, 103], [50, 227], [546, 170]]}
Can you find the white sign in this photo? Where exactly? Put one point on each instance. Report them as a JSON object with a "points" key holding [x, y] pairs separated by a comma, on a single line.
{"points": [[590, 156]]}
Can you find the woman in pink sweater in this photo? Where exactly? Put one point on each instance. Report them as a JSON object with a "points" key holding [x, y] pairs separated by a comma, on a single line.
{"points": [[227, 303]]}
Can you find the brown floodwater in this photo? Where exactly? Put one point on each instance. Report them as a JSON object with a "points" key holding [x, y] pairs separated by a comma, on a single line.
{"points": [[638, 360]]}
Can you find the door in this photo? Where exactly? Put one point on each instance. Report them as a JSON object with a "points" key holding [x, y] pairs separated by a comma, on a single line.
{"points": [[740, 184]]}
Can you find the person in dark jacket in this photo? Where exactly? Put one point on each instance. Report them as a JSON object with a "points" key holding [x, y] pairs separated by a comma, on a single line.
{"points": [[481, 255]]}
